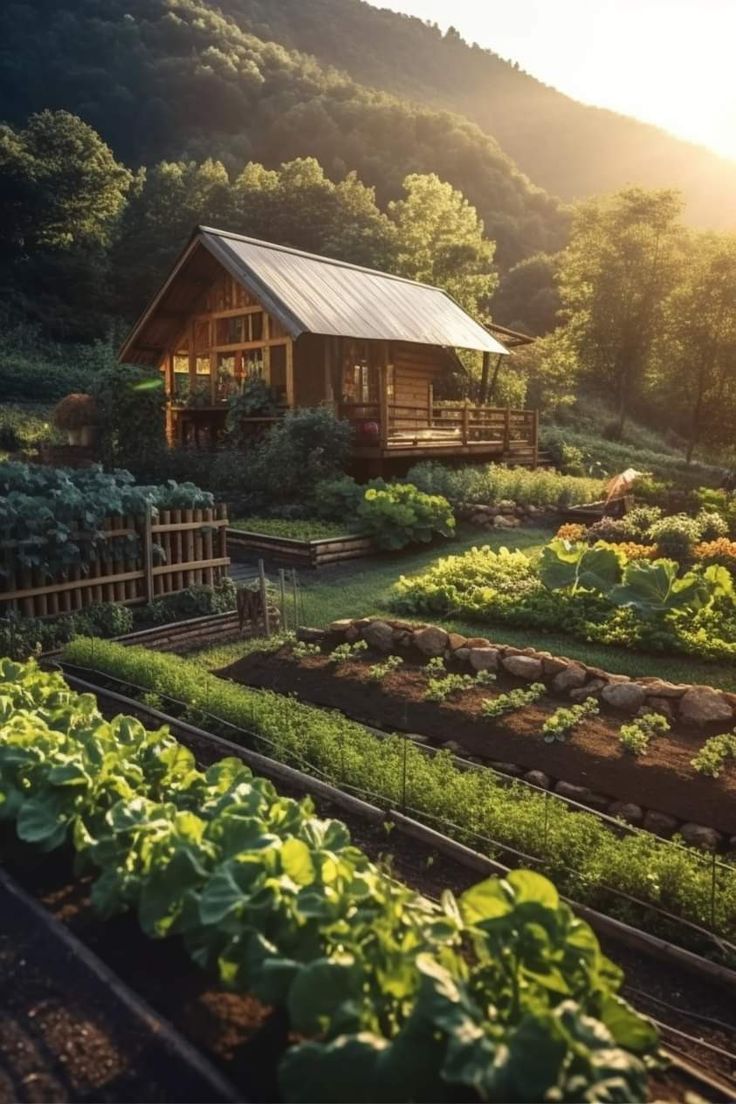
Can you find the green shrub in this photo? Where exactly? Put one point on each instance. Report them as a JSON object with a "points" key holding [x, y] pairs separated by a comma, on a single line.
{"points": [[489, 483], [195, 601], [640, 520], [130, 407], [303, 448], [338, 499], [715, 753], [712, 526], [565, 720], [255, 400], [636, 736], [675, 536], [399, 514]]}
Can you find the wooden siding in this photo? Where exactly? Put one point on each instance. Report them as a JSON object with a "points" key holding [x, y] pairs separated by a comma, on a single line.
{"points": [[416, 367], [310, 379]]}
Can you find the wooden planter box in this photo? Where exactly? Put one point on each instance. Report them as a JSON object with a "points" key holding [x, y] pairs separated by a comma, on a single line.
{"points": [[306, 553], [173, 551]]}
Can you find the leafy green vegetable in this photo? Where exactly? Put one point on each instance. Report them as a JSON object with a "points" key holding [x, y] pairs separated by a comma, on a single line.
{"points": [[573, 567], [394, 998]]}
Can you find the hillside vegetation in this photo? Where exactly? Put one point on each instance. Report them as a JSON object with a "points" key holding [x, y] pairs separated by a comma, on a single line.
{"points": [[569, 148], [175, 79]]}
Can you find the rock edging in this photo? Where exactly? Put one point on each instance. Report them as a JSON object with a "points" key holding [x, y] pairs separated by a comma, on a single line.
{"points": [[692, 704]]}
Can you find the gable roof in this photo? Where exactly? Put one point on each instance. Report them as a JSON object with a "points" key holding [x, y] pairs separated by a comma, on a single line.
{"points": [[307, 293]]}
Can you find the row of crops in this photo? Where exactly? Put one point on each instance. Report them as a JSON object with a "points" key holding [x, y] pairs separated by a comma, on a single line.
{"points": [[589, 861], [502, 994]]}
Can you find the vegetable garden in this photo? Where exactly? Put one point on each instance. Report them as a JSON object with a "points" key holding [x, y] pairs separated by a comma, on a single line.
{"points": [[589, 860], [510, 988]]}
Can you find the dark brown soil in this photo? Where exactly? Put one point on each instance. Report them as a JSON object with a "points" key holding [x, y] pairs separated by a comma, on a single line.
{"points": [[663, 779], [242, 1037]]}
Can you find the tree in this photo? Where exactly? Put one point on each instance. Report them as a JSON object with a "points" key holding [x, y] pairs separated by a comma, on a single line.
{"points": [[697, 351], [440, 240], [527, 298], [61, 193], [623, 260]]}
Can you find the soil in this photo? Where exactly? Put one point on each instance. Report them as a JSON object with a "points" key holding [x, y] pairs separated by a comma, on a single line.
{"points": [[65, 1034], [663, 779], [242, 1037]]}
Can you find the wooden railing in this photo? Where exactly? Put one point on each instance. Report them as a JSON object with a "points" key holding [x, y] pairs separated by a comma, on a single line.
{"points": [[170, 552], [451, 423]]}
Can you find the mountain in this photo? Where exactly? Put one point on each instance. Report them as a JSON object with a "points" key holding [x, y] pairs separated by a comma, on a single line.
{"points": [[180, 79], [569, 149]]}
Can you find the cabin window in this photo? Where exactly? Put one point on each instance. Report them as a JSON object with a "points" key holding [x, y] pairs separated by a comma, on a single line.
{"points": [[253, 362], [240, 329], [203, 365], [226, 383], [360, 377], [181, 375]]}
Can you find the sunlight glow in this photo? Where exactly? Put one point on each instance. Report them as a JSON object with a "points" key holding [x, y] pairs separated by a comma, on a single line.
{"points": [[667, 62]]}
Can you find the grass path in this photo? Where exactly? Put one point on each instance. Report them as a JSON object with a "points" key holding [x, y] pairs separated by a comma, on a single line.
{"points": [[361, 588]]}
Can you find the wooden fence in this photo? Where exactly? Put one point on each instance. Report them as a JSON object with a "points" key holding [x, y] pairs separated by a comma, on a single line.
{"points": [[173, 551]]}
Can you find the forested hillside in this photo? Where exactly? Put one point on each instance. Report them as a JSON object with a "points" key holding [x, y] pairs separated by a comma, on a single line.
{"points": [[566, 147], [175, 79]]}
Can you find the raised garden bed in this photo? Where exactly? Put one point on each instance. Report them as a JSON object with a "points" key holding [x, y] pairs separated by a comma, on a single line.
{"points": [[661, 782], [69, 1028], [305, 553]]}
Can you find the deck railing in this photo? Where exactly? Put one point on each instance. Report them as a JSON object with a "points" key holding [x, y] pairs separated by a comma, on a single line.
{"points": [[399, 425]]}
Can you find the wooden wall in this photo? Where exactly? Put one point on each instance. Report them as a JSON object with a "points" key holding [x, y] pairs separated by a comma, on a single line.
{"points": [[310, 374], [416, 367]]}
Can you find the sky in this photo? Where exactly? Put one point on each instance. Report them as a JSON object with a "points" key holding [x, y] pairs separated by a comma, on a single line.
{"points": [[668, 62]]}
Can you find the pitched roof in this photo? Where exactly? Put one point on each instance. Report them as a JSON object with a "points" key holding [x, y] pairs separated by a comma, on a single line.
{"points": [[312, 294]]}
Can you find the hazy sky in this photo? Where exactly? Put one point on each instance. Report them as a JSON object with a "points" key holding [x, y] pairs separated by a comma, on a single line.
{"points": [[669, 62]]}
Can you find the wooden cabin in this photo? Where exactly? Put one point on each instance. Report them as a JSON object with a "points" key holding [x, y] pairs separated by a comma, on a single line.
{"points": [[371, 345]]}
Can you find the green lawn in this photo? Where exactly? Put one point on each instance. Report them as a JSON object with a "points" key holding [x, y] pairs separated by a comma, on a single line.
{"points": [[360, 588]]}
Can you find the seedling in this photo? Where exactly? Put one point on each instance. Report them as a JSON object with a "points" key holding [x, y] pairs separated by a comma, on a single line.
{"points": [[562, 722], [515, 699], [635, 737]]}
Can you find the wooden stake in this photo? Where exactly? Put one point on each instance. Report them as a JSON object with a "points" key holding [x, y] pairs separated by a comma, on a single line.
{"points": [[264, 599]]}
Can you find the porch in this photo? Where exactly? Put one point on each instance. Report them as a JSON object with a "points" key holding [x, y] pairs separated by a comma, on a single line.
{"points": [[387, 430]]}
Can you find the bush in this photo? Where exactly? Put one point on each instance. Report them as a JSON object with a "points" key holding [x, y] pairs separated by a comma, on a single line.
{"points": [[675, 537], [640, 520], [608, 529], [483, 484], [21, 637], [339, 499], [130, 404], [711, 525], [305, 447], [399, 514], [195, 601], [721, 551], [256, 400]]}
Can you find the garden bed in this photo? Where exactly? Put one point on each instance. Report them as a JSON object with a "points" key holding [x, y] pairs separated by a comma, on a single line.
{"points": [[70, 1029], [663, 781], [316, 552]]}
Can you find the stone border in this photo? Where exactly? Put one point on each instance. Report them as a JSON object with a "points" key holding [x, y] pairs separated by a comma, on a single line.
{"points": [[570, 678], [505, 514], [697, 705]]}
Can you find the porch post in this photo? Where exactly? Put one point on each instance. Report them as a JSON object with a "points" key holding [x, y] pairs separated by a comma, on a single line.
{"points": [[484, 377], [290, 374], [383, 393]]}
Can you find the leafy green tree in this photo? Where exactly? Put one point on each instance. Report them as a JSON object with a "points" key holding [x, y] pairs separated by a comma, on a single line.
{"points": [[527, 298], [61, 193], [440, 240], [697, 352], [623, 260]]}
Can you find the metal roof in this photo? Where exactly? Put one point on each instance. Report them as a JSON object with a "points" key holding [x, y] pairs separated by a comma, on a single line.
{"points": [[312, 294], [306, 293]]}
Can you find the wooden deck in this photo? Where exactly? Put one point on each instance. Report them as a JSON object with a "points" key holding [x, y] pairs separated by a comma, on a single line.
{"points": [[389, 431]]}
